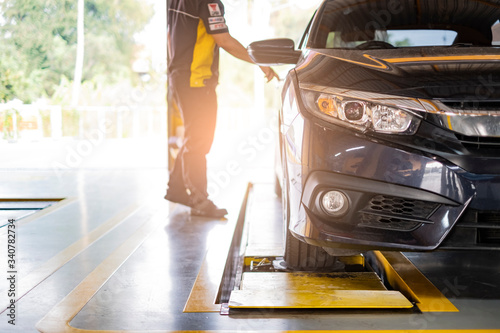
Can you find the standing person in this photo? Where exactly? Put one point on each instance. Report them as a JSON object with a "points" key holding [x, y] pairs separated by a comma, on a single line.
{"points": [[195, 31]]}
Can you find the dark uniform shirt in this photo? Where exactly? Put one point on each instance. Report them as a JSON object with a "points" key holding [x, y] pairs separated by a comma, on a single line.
{"points": [[193, 53]]}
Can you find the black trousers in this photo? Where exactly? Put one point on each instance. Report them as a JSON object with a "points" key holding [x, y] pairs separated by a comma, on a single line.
{"points": [[198, 107]]}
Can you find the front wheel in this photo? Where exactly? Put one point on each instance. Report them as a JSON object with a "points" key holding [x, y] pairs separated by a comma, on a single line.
{"points": [[299, 255], [305, 257]]}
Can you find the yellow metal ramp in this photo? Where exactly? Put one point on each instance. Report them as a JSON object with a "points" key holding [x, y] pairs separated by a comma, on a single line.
{"points": [[295, 290]]}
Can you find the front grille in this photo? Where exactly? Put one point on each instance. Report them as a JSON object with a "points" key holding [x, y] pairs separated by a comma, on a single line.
{"points": [[387, 223], [479, 142], [479, 229], [491, 218], [401, 206], [488, 236], [395, 213], [473, 105]]}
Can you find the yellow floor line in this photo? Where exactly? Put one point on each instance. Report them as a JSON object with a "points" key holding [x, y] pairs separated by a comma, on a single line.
{"points": [[41, 273], [206, 287], [58, 319]]}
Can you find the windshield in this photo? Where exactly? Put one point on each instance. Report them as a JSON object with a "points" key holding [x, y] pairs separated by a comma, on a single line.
{"points": [[364, 24]]}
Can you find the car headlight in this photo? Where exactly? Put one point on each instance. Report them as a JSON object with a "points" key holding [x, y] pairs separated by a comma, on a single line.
{"points": [[360, 114]]}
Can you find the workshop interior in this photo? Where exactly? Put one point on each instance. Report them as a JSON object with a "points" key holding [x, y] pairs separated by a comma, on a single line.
{"points": [[349, 166]]}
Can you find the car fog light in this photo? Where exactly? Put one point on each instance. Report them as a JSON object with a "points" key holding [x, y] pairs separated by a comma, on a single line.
{"points": [[335, 203]]}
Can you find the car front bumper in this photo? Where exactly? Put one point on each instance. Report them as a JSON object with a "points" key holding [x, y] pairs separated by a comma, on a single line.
{"points": [[398, 199], [380, 215]]}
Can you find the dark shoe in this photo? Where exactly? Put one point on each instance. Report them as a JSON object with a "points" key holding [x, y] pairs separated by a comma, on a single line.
{"points": [[207, 208], [179, 197]]}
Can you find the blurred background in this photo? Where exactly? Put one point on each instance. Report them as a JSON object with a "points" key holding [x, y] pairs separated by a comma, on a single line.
{"points": [[83, 84]]}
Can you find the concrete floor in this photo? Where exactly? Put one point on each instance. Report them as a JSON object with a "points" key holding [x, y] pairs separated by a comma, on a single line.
{"points": [[115, 256]]}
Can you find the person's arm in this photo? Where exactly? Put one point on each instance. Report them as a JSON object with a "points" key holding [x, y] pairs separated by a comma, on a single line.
{"points": [[234, 47]]}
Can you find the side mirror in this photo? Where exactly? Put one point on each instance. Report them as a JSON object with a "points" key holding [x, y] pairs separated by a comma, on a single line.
{"points": [[274, 52]]}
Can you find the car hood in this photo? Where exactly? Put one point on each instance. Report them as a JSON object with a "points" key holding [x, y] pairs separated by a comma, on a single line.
{"points": [[445, 73]]}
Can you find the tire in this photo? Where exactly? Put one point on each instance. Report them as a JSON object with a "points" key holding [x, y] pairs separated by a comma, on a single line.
{"points": [[305, 257], [299, 255]]}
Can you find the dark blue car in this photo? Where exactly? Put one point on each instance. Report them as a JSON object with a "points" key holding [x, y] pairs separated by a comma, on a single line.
{"points": [[390, 128]]}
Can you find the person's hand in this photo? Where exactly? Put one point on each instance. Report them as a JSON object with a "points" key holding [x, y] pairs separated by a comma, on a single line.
{"points": [[269, 72]]}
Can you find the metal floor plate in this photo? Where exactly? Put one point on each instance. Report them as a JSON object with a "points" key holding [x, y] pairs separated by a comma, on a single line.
{"points": [[315, 290], [311, 281], [318, 299]]}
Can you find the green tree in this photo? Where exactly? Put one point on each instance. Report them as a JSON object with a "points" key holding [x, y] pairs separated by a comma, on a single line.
{"points": [[12, 79], [42, 35]]}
